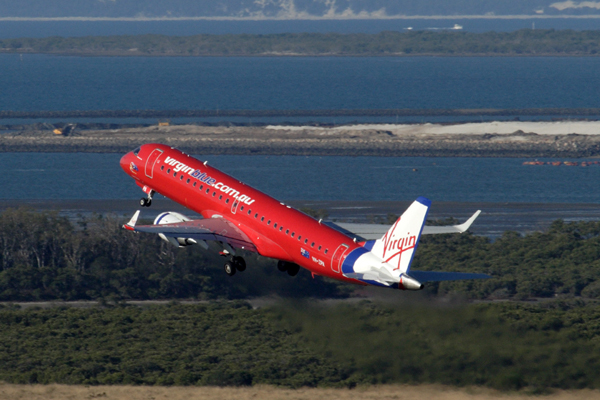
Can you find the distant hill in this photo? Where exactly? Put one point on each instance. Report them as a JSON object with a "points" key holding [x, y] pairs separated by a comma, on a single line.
{"points": [[289, 9]]}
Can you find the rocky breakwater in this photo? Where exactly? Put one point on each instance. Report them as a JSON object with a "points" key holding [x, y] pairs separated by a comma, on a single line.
{"points": [[514, 139]]}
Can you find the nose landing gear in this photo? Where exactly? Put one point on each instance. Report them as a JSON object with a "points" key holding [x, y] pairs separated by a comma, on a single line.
{"points": [[147, 201], [144, 202]]}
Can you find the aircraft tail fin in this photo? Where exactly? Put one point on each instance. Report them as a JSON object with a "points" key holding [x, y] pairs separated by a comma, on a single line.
{"points": [[397, 247]]}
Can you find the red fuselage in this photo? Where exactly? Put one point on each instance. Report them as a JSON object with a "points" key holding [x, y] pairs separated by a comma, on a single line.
{"points": [[277, 230]]}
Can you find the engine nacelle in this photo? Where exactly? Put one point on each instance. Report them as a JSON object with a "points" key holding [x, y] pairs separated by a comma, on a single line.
{"points": [[171, 217]]}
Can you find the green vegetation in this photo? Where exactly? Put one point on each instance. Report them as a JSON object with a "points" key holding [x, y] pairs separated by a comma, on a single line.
{"points": [[523, 42], [213, 344], [44, 257], [413, 338], [564, 262], [505, 346]]}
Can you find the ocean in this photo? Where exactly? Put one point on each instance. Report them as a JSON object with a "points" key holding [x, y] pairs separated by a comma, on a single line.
{"points": [[44, 82], [81, 176]]}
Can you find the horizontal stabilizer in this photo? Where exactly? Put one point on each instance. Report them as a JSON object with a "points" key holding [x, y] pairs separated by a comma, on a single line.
{"points": [[439, 276]]}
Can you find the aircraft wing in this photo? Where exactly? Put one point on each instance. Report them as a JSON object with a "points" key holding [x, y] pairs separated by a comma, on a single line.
{"points": [[209, 229], [376, 231]]}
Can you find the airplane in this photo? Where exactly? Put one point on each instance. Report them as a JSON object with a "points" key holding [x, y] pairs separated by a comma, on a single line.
{"points": [[239, 217]]}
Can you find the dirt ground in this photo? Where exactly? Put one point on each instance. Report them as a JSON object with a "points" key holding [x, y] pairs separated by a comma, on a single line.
{"points": [[400, 392]]}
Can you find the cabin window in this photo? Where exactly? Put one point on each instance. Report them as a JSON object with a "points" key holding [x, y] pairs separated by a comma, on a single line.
{"points": [[287, 231], [312, 244], [299, 237], [320, 248], [269, 222], [326, 251], [293, 233], [262, 219], [174, 173], [162, 167], [242, 208], [181, 178], [169, 171], [249, 212], [214, 194], [188, 181], [201, 186], [207, 191], [226, 201], [305, 241], [280, 228], [256, 215], [220, 197], [195, 184], [275, 226]]}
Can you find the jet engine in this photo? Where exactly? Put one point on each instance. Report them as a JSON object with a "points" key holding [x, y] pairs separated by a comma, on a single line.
{"points": [[171, 217]]}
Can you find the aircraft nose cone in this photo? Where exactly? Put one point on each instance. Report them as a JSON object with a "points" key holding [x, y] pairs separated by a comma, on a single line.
{"points": [[125, 162]]}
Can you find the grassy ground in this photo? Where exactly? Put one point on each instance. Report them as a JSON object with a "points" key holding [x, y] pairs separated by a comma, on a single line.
{"points": [[400, 392]]}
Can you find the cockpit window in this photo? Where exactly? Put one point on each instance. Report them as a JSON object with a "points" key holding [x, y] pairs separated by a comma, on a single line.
{"points": [[136, 151]]}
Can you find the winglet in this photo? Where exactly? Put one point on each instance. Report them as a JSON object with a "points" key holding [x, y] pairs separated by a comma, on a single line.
{"points": [[464, 226], [433, 230], [130, 226]]}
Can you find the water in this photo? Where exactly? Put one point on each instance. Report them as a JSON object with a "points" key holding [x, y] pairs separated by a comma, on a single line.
{"points": [[16, 29], [41, 82], [98, 176]]}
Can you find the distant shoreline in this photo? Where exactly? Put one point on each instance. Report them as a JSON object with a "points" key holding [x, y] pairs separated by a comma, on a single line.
{"points": [[408, 43]]}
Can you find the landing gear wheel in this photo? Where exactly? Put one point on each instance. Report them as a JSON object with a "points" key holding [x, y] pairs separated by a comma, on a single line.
{"points": [[145, 202], [240, 263], [293, 269], [229, 268], [282, 266]]}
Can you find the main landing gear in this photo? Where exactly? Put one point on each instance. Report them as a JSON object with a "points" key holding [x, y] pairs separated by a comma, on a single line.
{"points": [[291, 268], [147, 201], [236, 263]]}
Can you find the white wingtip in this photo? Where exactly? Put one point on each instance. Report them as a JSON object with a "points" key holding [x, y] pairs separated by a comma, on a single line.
{"points": [[467, 224], [131, 224], [436, 230]]}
